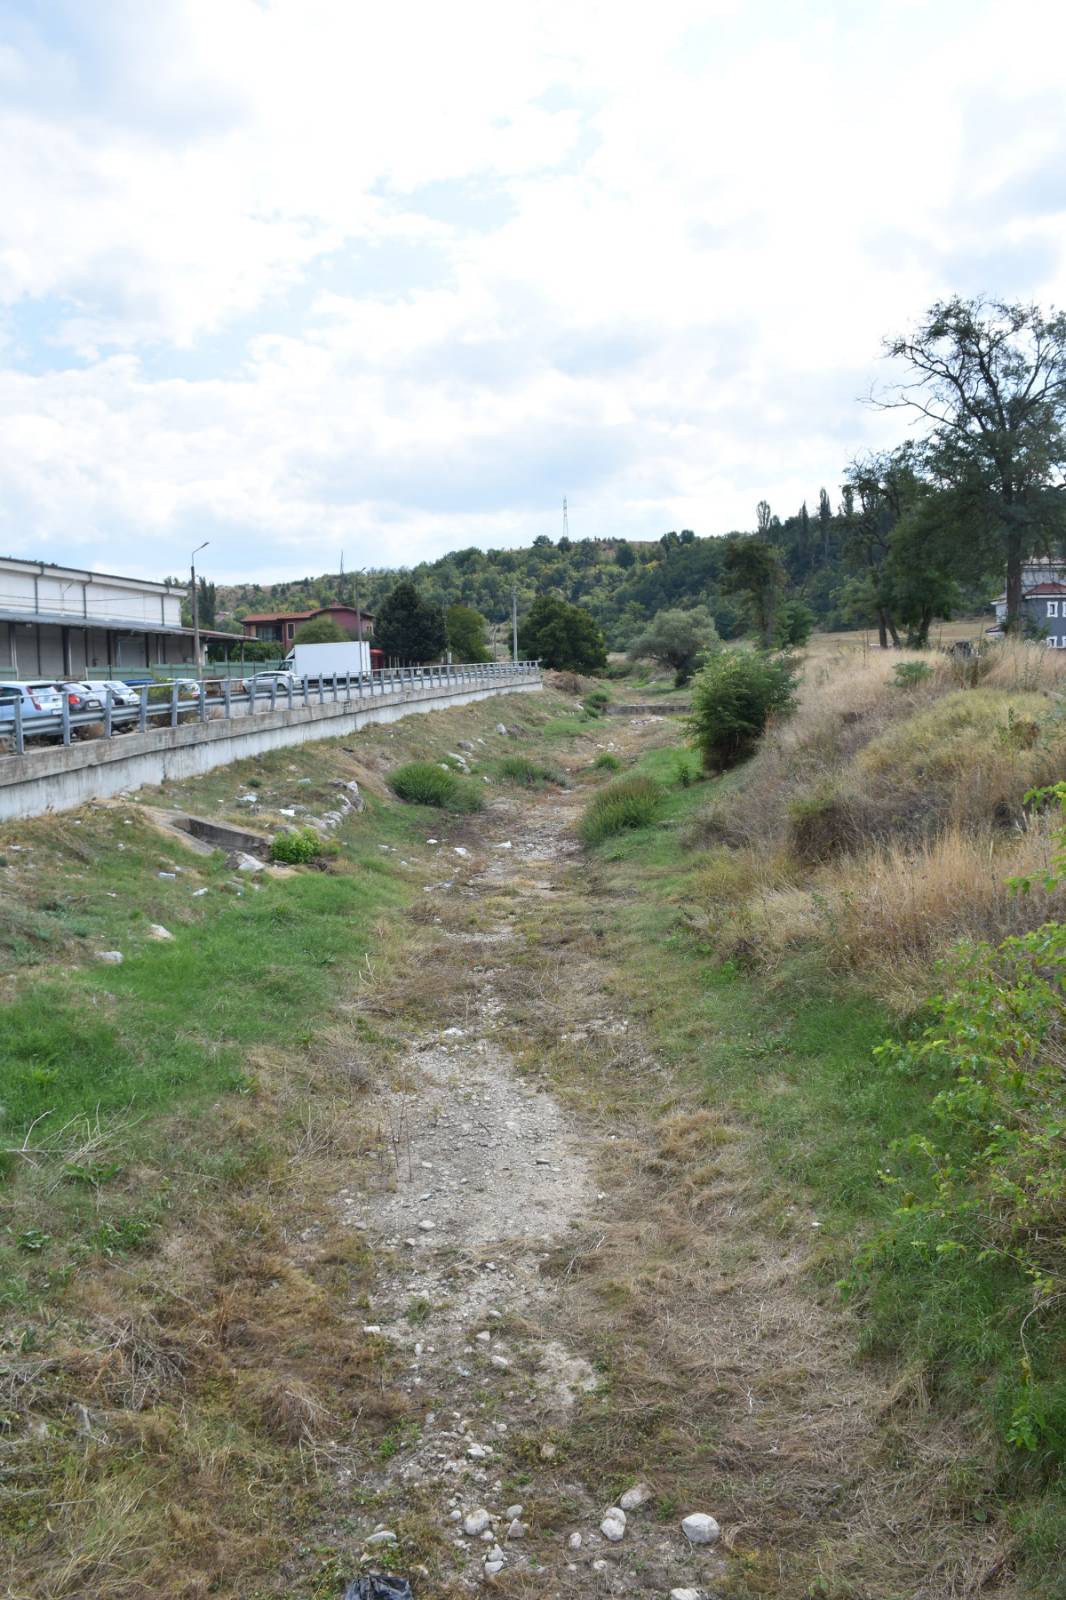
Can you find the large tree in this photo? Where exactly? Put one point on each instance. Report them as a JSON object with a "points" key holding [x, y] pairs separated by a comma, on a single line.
{"points": [[989, 378], [562, 636], [409, 628], [320, 630], [466, 634], [752, 569], [678, 639]]}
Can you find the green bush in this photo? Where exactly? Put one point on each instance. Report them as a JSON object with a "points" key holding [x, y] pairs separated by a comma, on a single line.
{"points": [[733, 698], [909, 674], [629, 803], [423, 783], [528, 774], [607, 761], [297, 849]]}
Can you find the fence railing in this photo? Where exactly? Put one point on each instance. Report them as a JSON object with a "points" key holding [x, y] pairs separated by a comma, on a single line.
{"points": [[214, 699]]}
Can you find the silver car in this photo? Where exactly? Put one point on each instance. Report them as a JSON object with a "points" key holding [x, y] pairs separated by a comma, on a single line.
{"points": [[121, 693], [35, 700]]}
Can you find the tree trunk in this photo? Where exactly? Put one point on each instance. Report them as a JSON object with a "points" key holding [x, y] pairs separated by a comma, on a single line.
{"points": [[882, 631], [1013, 619]]}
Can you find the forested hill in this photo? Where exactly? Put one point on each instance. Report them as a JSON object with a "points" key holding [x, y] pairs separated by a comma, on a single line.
{"points": [[622, 582]]}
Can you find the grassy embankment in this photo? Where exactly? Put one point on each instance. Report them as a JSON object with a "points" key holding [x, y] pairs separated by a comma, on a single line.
{"points": [[774, 928], [179, 1310]]}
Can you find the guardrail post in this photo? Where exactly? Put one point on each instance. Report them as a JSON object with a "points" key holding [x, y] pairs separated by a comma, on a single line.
{"points": [[108, 698], [203, 701], [251, 697], [227, 693], [289, 687], [307, 694], [20, 740], [174, 704], [142, 710], [273, 694], [334, 688], [321, 690], [65, 699], [347, 686]]}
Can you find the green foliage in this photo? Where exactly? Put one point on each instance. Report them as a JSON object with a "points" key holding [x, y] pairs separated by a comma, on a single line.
{"points": [[562, 636], [627, 803], [733, 698], [297, 848], [247, 649], [466, 634], [424, 783], [596, 702], [752, 569], [793, 624], [320, 630], [909, 674], [678, 639], [607, 761], [528, 774], [408, 627]]}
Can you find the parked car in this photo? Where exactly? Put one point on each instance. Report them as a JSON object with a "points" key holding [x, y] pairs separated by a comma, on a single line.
{"points": [[80, 697], [264, 681], [37, 700], [121, 693]]}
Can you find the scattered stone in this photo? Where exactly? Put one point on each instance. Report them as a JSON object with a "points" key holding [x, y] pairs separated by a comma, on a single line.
{"points": [[636, 1497], [156, 930], [699, 1528], [684, 1594], [247, 800], [112, 958], [453, 1033], [574, 1542], [466, 744], [386, 1536], [514, 1511], [478, 1452], [426, 1225], [455, 1516], [501, 1363], [371, 1327], [496, 1554], [483, 1338], [493, 1567], [460, 850], [243, 862], [501, 727], [516, 1530], [166, 874], [599, 1566], [475, 1522], [613, 1526], [197, 893]]}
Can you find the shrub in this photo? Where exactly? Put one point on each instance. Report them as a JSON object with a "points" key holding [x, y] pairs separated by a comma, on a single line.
{"points": [[909, 674], [297, 849], [596, 702], [824, 823], [528, 774], [423, 783], [733, 699], [607, 761], [629, 803]]}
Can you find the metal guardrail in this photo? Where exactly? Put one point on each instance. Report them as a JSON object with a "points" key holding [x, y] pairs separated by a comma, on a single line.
{"points": [[215, 699]]}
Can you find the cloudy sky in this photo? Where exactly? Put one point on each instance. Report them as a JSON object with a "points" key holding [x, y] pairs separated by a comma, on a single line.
{"points": [[303, 276]]}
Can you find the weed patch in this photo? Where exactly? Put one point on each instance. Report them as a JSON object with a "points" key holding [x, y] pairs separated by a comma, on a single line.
{"points": [[627, 803], [425, 784]]}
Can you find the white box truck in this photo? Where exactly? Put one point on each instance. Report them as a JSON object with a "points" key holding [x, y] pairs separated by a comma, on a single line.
{"points": [[314, 662]]}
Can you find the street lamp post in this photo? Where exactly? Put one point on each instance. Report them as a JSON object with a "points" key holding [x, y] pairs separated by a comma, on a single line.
{"points": [[195, 604]]}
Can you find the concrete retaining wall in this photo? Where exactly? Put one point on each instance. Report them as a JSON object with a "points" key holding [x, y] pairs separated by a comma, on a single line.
{"points": [[61, 777]]}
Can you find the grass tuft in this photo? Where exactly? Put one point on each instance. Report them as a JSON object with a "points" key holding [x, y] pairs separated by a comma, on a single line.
{"points": [[423, 783], [628, 803]]}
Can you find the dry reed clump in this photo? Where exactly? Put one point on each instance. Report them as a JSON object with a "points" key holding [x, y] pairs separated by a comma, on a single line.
{"points": [[888, 914]]}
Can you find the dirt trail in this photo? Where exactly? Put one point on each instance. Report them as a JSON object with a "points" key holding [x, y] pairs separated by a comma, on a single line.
{"points": [[482, 1177]]}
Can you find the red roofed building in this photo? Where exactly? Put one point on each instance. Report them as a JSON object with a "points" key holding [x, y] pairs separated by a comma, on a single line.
{"points": [[281, 626]]}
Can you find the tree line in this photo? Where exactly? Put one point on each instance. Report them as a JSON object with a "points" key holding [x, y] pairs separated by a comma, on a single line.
{"points": [[929, 529]]}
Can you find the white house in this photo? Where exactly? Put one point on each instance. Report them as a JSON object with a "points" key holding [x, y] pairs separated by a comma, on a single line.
{"points": [[63, 622]]}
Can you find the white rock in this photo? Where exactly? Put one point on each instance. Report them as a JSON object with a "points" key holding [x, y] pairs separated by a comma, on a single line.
{"points": [[166, 874], [426, 1225], [574, 1542], [599, 1566], [371, 1327], [514, 1511], [453, 1033], [455, 1516], [634, 1498], [112, 958], [516, 1529], [247, 863], [483, 1338], [476, 1522], [612, 1529], [501, 727], [197, 893], [156, 930], [501, 1363], [496, 1554], [478, 1452], [493, 1567], [616, 1513], [684, 1594], [459, 850], [386, 1536], [699, 1528]]}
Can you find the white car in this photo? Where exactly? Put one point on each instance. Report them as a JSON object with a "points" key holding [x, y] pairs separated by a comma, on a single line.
{"points": [[121, 693]]}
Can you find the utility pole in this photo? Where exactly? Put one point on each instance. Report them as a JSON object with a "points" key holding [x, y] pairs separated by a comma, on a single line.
{"points": [[514, 624], [196, 604]]}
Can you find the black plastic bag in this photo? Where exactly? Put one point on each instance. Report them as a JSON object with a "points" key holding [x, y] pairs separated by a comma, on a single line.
{"points": [[379, 1586]]}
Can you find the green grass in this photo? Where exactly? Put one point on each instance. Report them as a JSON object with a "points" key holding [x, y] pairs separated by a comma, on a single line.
{"points": [[527, 773], [607, 761], [426, 784], [627, 803]]}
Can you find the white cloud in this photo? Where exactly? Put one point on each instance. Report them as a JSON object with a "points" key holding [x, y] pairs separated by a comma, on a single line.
{"points": [[656, 252]]}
